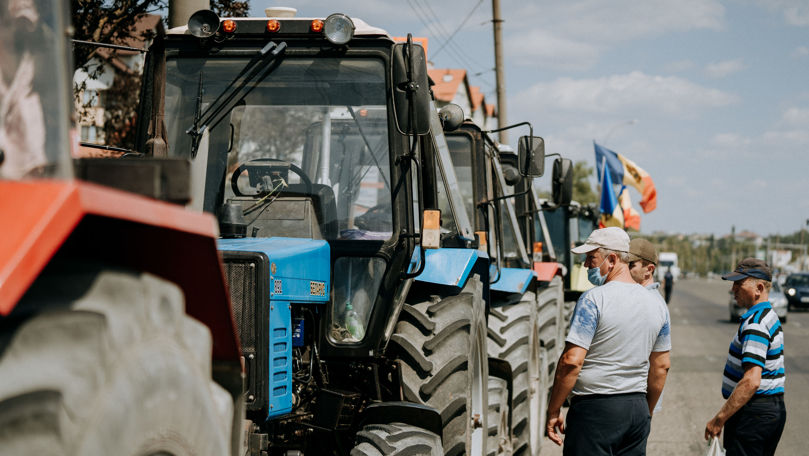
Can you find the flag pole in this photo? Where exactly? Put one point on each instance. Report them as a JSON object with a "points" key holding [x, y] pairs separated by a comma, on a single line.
{"points": [[601, 177]]}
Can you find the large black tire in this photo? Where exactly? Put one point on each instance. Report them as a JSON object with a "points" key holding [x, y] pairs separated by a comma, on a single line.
{"points": [[441, 347], [499, 440], [396, 439], [513, 337], [109, 363]]}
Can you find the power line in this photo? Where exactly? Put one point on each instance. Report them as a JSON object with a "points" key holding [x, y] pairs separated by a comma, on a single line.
{"points": [[448, 40], [463, 22], [423, 16], [428, 17]]}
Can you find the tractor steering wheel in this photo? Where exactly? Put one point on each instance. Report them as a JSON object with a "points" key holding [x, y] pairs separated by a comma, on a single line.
{"points": [[280, 165]]}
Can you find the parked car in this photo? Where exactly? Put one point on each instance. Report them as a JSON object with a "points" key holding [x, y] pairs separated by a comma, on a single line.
{"points": [[797, 290], [778, 300]]}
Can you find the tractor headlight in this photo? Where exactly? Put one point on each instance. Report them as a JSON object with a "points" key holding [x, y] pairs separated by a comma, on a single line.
{"points": [[338, 28]]}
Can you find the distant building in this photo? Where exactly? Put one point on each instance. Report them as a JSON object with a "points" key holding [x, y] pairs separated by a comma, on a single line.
{"points": [[105, 65], [452, 86]]}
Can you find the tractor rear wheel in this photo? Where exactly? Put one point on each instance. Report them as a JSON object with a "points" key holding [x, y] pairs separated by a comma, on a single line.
{"points": [[514, 337], [99, 361], [441, 347], [396, 439], [499, 435]]}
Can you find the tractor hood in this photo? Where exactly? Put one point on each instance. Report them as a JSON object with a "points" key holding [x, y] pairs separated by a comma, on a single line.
{"points": [[299, 268]]}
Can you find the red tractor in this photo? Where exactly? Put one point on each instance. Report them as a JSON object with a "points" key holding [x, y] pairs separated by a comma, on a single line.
{"points": [[116, 333]]}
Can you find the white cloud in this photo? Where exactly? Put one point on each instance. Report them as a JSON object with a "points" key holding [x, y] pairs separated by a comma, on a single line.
{"points": [[678, 66], [627, 93], [730, 140], [551, 51], [796, 116], [785, 138], [800, 51], [571, 34], [616, 20], [724, 68], [796, 12]]}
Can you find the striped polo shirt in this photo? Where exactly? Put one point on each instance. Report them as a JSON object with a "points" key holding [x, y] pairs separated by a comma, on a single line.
{"points": [[759, 341]]}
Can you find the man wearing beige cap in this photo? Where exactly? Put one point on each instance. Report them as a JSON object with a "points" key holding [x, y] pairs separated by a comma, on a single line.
{"points": [[642, 264], [615, 328]]}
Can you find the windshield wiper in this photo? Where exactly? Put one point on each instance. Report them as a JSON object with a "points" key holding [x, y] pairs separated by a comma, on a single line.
{"points": [[260, 67]]}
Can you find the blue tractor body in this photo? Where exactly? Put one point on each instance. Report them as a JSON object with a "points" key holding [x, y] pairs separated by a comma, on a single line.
{"points": [[298, 273]]}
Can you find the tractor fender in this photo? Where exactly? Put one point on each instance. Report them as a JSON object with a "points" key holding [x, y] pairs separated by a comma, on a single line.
{"points": [[451, 267], [513, 280], [48, 220], [545, 271], [418, 415]]}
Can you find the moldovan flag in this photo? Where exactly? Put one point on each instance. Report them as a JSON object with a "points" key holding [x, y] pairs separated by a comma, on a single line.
{"points": [[611, 212], [625, 171], [631, 216]]}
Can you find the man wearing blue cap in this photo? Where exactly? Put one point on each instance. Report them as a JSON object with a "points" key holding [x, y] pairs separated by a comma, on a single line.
{"points": [[753, 381]]}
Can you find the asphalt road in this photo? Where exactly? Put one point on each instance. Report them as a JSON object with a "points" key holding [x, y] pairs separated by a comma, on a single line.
{"points": [[701, 334]]}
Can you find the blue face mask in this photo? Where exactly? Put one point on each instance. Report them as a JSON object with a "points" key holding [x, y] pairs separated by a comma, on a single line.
{"points": [[594, 275]]}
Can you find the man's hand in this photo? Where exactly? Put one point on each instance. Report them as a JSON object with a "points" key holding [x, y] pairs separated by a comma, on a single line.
{"points": [[554, 421], [743, 392], [714, 427]]}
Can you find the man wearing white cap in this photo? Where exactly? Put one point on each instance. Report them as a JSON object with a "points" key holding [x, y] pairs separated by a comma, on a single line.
{"points": [[615, 329]]}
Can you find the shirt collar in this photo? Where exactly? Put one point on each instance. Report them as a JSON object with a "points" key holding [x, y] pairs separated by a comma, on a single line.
{"points": [[653, 286], [756, 308]]}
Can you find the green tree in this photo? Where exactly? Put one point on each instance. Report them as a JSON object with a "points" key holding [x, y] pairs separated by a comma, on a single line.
{"points": [[117, 22], [582, 188]]}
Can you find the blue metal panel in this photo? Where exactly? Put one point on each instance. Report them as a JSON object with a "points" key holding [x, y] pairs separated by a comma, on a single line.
{"points": [[299, 272], [280, 368], [299, 268], [449, 266], [513, 280]]}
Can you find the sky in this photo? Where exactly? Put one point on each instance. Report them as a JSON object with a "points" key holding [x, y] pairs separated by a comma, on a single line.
{"points": [[710, 97]]}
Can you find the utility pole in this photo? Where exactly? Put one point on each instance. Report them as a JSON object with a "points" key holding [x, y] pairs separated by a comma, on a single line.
{"points": [[733, 247], [498, 71], [181, 10]]}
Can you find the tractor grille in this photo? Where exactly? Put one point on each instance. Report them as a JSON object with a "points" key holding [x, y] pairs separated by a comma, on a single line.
{"points": [[242, 282], [248, 276]]}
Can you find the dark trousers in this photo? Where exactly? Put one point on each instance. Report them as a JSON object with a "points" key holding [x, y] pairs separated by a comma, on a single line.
{"points": [[616, 424], [756, 428]]}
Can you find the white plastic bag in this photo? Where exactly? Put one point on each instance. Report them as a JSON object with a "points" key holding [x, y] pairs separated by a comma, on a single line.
{"points": [[715, 448]]}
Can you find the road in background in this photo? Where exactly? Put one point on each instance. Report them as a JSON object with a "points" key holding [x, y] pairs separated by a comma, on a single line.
{"points": [[701, 334]]}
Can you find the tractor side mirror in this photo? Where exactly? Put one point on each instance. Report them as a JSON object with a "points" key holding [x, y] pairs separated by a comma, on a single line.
{"points": [[562, 181], [531, 151], [411, 90]]}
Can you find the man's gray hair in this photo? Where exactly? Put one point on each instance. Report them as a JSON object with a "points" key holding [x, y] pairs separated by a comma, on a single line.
{"points": [[623, 256]]}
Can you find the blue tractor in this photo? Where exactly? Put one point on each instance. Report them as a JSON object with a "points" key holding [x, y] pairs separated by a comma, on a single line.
{"points": [[313, 140], [524, 318]]}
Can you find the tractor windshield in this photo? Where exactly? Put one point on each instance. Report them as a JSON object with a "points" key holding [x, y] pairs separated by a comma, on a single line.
{"points": [[313, 128]]}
